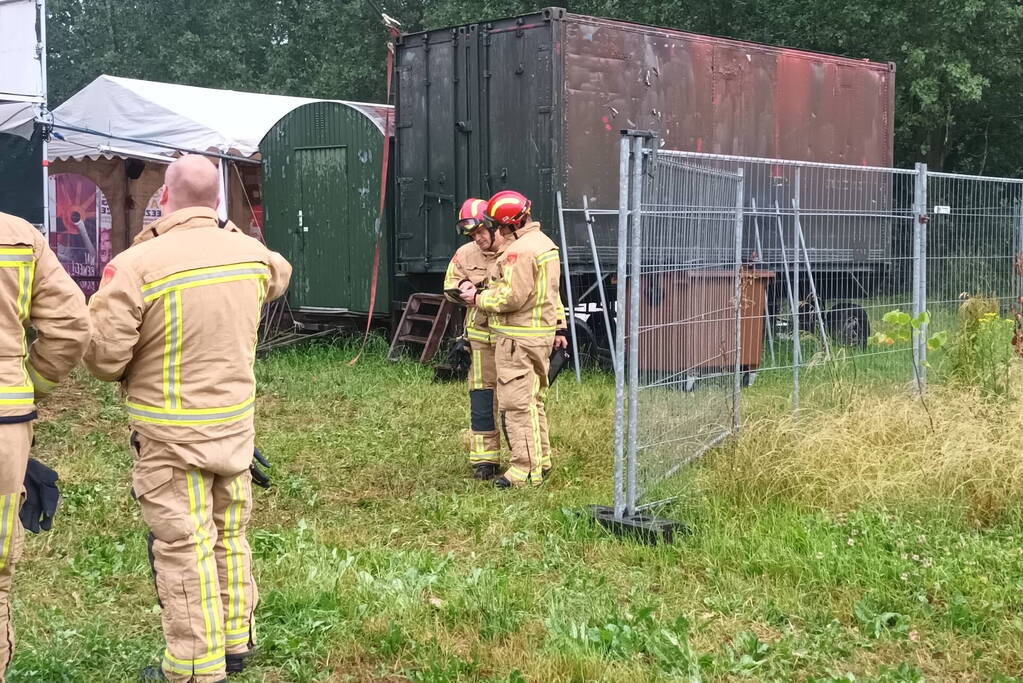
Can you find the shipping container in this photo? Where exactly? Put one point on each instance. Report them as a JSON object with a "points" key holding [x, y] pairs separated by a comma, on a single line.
{"points": [[321, 187], [536, 103]]}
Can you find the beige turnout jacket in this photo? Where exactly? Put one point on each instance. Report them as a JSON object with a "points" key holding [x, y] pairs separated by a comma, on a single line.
{"points": [[178, 315], [35, 291], [523, 301], [477, 266]]}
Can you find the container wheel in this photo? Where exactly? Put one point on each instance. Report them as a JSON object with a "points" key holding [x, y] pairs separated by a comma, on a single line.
{"points": [[847, 324]]}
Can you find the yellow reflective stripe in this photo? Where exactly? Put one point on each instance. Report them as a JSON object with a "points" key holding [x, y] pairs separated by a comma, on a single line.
{"points": [[525, 332], [26, 277], [206, 564], [477, 335], [547, 257], [492, 208], [168, 337], [541, 293], [26, 274], [207, 664], [235, 594], [17, 396], [450, 277], [516, 473], [14, 251], [534, 423], [177, 342], [201, 274], [497, 295], [8, 518], [207, 281], [477, 369], [38, 381], [191, 416]]}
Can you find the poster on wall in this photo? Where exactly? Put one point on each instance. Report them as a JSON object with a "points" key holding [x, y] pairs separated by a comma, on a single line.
{"points": [[81, 221]]}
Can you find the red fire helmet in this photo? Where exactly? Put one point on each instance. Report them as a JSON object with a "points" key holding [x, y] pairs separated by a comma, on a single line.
{"points": [[508, 208], [470, 216]]}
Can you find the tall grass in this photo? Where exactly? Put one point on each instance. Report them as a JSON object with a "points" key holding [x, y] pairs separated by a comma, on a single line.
{"points": [[880, 448], [838, 544]]}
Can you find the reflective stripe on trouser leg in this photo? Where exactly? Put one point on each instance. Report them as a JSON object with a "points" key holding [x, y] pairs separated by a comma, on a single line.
{"points": [[476, 370], [15, 440], [517, 389], [484, 439], [11, 542], [176, 505], [545, 439], [232, 507]]}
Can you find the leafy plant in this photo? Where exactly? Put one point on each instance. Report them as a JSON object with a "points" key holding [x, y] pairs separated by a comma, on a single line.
{"points": [[899, 327], [981, 349]]}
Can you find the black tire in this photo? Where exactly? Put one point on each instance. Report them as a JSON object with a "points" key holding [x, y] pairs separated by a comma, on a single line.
{"points": [[589, 352], [847, 324]]}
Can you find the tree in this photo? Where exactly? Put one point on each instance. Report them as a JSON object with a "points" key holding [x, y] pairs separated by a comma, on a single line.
{"points": [[960, 62]]}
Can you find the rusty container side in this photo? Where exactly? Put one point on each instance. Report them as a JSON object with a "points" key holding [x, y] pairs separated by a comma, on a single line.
{"points": [[706, 94], [536, 102]]}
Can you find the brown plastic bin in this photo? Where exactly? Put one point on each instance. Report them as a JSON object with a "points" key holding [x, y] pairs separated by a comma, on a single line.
{"points": [[687, 322]]}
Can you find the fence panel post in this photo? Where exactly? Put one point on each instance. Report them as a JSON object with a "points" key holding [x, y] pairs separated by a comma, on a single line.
{"points": [[619, 349], [796, 331], [636, 237], [737, 379], [920, 274]]}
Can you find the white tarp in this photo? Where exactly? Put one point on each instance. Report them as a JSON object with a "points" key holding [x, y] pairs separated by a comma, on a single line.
{"points": [[181, 116], [21, 76], [17, 118]]}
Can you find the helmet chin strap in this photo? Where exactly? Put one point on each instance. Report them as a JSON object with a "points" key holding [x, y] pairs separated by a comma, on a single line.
{"points": [[522, 224]]}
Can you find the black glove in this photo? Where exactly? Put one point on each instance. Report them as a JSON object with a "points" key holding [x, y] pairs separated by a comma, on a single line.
{"points": [[461, 347], [559, 359], [259, 477], [41, 497]]}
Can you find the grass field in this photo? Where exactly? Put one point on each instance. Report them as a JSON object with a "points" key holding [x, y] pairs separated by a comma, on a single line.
{"points": [[854, 544]]}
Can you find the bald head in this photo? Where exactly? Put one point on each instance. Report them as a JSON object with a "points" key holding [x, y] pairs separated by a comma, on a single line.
{"points": [[190, 181]]}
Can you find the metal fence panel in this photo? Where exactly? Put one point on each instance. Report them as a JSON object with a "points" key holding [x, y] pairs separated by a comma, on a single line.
{"points": [[733, 268], [827, 251], [685, 234], [974, 228]]}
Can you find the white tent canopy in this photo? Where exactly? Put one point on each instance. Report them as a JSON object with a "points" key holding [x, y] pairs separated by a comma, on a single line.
{"points": [[18, 118], [125, 111]]}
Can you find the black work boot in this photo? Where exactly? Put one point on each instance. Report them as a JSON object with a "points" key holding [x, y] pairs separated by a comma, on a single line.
{"points": [[485, 471], [502, 482], [236, 661]]}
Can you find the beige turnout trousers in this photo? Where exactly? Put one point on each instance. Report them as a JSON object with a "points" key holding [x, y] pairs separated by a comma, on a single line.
{"points": [[197, 502], [484, 437], [15, 442], [521, 387]]}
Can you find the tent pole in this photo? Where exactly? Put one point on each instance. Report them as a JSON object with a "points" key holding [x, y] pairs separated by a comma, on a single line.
{"points": [[43, 111]]}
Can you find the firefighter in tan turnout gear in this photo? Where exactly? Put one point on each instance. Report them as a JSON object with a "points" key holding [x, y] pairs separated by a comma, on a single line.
{"points": [[475, 263], [179, 313], [527, 319], [35, 291]]}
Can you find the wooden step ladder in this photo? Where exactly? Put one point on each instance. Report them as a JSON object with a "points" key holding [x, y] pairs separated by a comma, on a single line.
{"points": [[423, 323]]}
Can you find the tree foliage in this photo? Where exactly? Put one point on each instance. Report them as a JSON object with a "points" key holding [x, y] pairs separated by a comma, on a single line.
{"points": [[959, 62]]}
